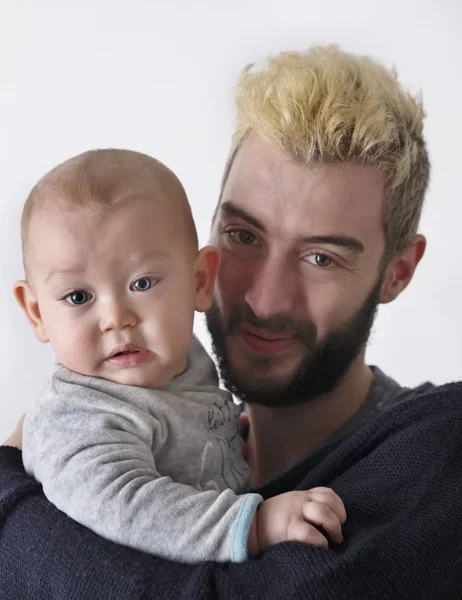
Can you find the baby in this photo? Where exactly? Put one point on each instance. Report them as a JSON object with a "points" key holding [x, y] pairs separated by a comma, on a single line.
{"points": [[132, 437]]}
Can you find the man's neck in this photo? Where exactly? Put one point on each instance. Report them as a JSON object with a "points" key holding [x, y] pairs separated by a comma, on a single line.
{"points": [[280, 437]]}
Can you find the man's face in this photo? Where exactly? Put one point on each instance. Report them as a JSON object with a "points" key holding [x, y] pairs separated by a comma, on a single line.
{"points": [[299, 280]]}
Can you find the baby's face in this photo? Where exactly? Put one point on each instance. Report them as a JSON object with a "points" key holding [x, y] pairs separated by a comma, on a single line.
{"points": [[117, 291]]}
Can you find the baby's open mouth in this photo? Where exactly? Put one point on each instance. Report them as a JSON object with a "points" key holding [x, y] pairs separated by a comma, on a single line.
{"points": [[128, 355], [125, 352]]}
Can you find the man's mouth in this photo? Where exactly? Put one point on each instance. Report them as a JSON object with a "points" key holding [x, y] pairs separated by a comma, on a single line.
{"points": [[264, 334], [267, 342]]}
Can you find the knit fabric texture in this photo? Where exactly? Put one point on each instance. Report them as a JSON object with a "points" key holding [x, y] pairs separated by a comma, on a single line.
{"points": [[400, 476]]}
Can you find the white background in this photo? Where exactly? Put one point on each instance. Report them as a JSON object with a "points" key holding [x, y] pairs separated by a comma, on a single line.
{"points": [[158, 77]]}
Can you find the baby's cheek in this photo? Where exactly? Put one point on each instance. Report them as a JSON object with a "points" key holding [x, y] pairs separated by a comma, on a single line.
{"points": [[77, 349], [176, 333]]}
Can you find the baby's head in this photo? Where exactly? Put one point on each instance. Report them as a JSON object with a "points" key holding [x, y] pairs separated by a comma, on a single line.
{"points": [[113, 271]]}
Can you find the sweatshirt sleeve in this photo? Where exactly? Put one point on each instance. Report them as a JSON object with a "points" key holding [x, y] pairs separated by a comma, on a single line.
{"points": [[401, 481], [94, 456]]}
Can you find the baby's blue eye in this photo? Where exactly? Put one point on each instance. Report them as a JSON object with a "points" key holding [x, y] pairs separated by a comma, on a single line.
{"points": [[142, 284], [77, 298]]}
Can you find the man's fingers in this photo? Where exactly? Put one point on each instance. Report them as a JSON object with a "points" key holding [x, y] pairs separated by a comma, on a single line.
{"points": [[323, 516]]}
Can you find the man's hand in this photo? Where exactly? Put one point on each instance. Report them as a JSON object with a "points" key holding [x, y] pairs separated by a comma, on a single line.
{"points": [[295, 516], [15, 438]]}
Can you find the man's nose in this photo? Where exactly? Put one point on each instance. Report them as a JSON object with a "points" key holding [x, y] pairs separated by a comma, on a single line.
{"points": [[117, 315], [273, 288]]}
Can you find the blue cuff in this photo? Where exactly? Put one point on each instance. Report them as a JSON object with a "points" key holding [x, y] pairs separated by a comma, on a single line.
{"points": [[242, 524]]}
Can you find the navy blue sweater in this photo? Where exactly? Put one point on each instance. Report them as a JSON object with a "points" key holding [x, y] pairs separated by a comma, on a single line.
{"points": [[400, 477]]}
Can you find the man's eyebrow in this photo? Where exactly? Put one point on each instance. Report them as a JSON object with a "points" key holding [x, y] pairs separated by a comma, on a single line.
{"points": [[229, 209], [346, 241]]}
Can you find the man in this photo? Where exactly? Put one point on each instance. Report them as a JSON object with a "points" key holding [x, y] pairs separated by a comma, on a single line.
{"points": [[317, 225]]}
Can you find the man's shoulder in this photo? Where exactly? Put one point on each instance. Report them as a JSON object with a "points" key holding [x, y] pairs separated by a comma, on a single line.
{"points": [[401, 449], [386, 393], [409, 431], [428, 415], [430, 408], [426, 405]]}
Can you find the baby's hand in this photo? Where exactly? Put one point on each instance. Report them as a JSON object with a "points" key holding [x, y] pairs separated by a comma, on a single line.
{"points": [[292, 516]]}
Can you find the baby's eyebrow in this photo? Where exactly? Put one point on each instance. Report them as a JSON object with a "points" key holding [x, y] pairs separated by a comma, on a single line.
{"points": [[136, 257], [133, 258], [60, 272]]}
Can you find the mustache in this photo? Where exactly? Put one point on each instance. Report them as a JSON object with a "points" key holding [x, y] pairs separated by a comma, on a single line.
{"points": [[305, 330]]}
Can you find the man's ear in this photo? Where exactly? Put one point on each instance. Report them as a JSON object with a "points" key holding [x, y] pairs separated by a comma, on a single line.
{"points": [[205, 267], [401, 270], [28, 302]]}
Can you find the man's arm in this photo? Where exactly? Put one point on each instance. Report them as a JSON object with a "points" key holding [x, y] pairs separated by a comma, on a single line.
{"points": [[401, 482], [47, 556]]}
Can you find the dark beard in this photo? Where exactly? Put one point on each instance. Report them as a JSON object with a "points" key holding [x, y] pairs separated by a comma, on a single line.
{"points": [[322, 367]]}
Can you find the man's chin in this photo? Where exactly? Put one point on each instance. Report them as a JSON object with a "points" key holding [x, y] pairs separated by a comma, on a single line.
{"points": [[259, 380], [267, 371], [268, 391]]}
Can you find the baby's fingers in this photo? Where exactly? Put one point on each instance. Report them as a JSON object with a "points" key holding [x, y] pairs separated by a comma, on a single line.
{"points": [[323, 516], [301, 531], [327, 496]]}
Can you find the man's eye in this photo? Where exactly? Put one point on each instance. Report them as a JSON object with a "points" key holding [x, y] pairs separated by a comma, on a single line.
{"points": [[319, 259], [243, 237], [142, 284], [77, 298]]}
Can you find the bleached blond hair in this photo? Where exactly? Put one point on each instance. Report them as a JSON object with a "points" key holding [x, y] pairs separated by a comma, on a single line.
{"points": [[330, 106]]}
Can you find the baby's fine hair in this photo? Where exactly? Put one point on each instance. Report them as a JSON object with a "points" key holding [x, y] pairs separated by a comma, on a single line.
{"points": [[99, 179]]}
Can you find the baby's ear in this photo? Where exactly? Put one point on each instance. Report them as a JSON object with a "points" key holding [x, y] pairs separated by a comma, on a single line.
{"points": [[205, 267], [28, 302]]}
